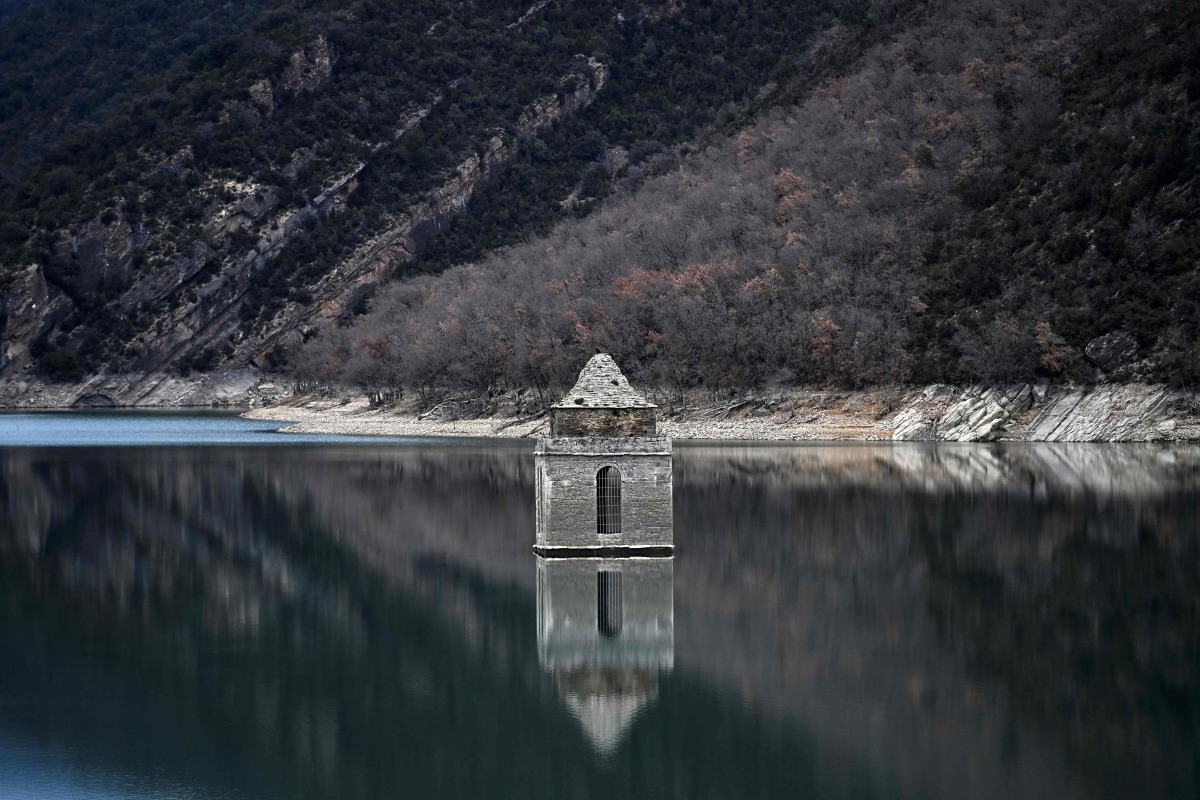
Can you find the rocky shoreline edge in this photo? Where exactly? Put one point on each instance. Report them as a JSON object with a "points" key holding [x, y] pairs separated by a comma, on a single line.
{"points": [[1112, 413], [1023, 412]]}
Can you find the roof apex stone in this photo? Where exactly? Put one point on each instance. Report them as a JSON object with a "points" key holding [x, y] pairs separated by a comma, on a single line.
{"points": [[601, 384]]}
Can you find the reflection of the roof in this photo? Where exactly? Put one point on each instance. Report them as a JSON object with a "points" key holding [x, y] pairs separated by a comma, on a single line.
{"points": [[606, 701]]}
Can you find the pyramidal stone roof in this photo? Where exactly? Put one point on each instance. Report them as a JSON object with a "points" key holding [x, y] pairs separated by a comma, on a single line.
{"points": [[601, 385]]}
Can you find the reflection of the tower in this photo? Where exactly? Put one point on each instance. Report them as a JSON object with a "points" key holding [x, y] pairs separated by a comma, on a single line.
{"points": [[606, 631]]}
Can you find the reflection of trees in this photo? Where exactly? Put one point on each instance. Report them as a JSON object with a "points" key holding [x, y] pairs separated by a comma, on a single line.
{"points": [[1093, 627], [212, 584], [1035, 470], [813, 593], [361, 622]]}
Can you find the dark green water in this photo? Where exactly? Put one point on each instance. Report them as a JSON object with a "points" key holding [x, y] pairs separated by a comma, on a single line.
{"points": [[223, 612]]}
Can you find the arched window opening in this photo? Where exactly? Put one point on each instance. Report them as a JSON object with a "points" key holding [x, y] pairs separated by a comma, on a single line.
{"points": [[608, 500], [609, 614]]}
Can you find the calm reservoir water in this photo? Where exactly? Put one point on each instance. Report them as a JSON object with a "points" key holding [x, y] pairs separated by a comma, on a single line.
{"points": [[221, 611]]}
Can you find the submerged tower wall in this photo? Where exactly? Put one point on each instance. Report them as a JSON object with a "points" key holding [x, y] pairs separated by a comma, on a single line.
{"points": [[569, 509]]}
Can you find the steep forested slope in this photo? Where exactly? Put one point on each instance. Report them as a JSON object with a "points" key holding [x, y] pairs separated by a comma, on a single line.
{"points": [[877, 231], [185, 184], [479, 194], [1088, 228]]}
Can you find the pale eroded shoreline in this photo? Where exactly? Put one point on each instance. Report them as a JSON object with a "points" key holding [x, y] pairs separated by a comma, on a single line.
{"points": [[357, 418], [1132, 413]]}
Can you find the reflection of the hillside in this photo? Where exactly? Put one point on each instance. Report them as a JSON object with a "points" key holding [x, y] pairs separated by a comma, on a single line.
{"points": [[209, 601], [324, 613], [927, 619], [606, 630], [1031, 469]]}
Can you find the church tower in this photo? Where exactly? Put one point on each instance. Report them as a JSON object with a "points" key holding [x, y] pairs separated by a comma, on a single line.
{"points": [[603, 475]]}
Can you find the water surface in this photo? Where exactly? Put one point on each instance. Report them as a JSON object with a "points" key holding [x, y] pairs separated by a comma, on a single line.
{"points": [[207, 616]]}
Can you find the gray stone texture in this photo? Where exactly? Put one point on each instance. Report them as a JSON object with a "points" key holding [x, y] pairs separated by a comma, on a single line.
{"points": [[1111, 351], [1106, 413], [566, 491], [601, 384], [602, 422]]}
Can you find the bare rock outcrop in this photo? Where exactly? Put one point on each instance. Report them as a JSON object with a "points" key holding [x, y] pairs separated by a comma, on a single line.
{"points": [[408, 233], [23, 308], [1112, 350], [979, 414], [919, 420], [1107, 413], [236, 388], [1112, 413], [308, 68], [263, 96], [185, 297], [984, 414]]}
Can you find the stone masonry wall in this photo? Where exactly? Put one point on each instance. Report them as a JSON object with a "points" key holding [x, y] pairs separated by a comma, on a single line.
{"points": [[566, 491], [602, 422]]}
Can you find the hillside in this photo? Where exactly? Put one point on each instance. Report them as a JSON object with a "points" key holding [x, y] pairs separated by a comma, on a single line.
{"points": [[182, 185], [724, 196], [944, 210]]}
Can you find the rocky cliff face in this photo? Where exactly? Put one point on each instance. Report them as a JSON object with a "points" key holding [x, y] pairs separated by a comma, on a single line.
{"points": [[186, 300], [1041, 413], [240, 186], [407, 234]]}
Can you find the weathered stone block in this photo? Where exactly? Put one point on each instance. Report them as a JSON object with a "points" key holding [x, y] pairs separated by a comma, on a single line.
{"points": [[603, 478], [1111, 351], [602, 422], [567, 503]]}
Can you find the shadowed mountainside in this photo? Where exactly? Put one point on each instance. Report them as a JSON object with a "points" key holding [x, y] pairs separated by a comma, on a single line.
{"points": [[1001, 192]]}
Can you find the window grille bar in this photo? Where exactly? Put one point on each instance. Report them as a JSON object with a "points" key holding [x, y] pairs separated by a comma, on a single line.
{"points": [[608, 501]]}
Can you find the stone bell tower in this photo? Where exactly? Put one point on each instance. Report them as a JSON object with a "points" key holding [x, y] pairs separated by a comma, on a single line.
{"points": [[603, 475]]}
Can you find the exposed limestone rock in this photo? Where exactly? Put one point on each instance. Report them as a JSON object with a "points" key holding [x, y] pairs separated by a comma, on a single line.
{"points": [[24, 307], [796, 415], [578, 91], [1115, 413], [262, 94], [194, 291], [239, 388], [1110, 413], [102, 253], [533, 9], [983, 414], [1111, 351], [157, 284], [919, 421], [407, 236], [95, 401], [241, 215], [177, 164], [979, 414], [308, 68]]}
